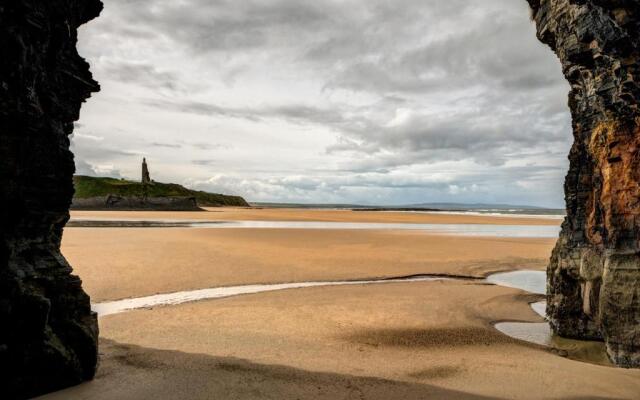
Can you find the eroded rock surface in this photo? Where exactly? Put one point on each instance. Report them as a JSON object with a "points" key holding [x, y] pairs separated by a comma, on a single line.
{"points": [[594, 273], [48, 334]]}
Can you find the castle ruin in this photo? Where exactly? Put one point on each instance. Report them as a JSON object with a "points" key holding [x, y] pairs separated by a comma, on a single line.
{"points": [[146, 179]]}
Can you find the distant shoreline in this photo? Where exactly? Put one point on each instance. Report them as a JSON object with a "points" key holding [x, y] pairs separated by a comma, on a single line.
{"points": [[483, 209], [403, 209], [496, 212]]}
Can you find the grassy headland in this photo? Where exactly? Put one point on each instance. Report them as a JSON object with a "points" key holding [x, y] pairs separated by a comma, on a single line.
{"points": [[88, 186]]}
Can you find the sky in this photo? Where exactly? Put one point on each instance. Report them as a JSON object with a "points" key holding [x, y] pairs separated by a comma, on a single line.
{"points": [[328, 101]]}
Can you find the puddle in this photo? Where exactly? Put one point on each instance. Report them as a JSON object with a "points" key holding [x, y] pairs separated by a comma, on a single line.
{"points": [[540, 332], [532, 332], [529, 281], [532, 282], [540, 308], [512, 231]]}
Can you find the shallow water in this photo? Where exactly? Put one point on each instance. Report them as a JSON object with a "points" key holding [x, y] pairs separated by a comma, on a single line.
{"points": [[513, 231], [532, 282], [533, 332], [529, 281], [540, 308], [516, 279], [541, 332], [119, 306]]}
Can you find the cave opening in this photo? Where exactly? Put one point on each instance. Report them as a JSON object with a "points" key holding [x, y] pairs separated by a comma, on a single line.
{"points": [[48, 334]]}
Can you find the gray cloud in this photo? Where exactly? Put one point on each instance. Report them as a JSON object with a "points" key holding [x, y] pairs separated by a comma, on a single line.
{"points": [[142, 74], [167, 145], [206, 162], [386, 94], [209, 146], [86, 169], [300, 114]]}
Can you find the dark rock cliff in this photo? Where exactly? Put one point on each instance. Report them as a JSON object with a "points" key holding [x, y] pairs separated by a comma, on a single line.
{"points": [[594, 274], [48, 334]]}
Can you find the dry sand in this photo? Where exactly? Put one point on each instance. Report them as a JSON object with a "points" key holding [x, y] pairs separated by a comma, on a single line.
{"points": [[391, 341]]}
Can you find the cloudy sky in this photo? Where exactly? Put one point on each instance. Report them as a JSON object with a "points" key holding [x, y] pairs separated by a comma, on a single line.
{"points": [[352, 101]]}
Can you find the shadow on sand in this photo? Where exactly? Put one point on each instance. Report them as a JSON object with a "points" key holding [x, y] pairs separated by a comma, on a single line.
{"points": [[134, 372]]}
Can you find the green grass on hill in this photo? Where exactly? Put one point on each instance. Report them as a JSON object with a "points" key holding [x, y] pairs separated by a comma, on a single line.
{"points": [[87, 186]]}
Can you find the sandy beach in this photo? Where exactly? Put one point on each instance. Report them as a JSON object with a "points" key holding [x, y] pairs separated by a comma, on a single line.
{"points": [[132, 262], [393, 340]]}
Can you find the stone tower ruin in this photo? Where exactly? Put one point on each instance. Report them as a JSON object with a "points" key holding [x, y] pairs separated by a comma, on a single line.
{"points": [[146, 179]]}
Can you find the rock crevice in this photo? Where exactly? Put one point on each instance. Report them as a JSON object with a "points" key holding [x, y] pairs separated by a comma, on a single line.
{"points": [[594, 272]]}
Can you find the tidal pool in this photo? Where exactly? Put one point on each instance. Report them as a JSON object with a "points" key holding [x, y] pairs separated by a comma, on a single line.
{"points": [[529, 281], [533, 332], [532, 282], [540, 332]]}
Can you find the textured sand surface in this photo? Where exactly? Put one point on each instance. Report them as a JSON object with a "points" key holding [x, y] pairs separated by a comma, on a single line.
{"points": [[389, 341], [117, 263], [408, 340]]}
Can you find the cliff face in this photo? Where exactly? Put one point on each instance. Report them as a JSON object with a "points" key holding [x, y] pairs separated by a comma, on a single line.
{"points": [[48, 334], [594, 273]]}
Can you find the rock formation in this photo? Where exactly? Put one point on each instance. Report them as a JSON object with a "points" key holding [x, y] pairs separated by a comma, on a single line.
{"points": [[594, 274], [48, 334]]}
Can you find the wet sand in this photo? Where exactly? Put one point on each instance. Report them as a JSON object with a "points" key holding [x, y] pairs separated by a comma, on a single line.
{"points": [[292, 214], [394, 340], [381, 342], [132, 262]]}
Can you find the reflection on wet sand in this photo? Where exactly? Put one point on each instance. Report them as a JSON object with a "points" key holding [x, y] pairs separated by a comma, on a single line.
{"points": [[512, 231]]}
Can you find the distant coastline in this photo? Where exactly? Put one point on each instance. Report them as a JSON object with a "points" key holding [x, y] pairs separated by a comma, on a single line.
{"points": [[446, 208]]}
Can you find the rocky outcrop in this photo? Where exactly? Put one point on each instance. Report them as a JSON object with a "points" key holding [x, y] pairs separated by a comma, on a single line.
{"points": [[113, 202], [594, 273], [48, 334]]}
